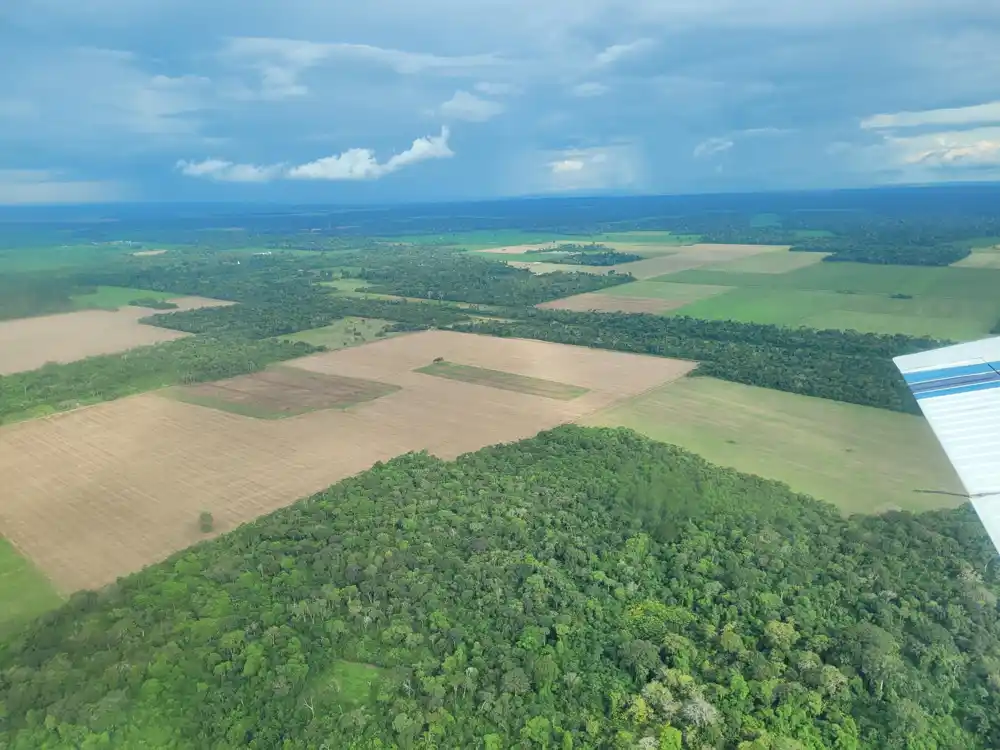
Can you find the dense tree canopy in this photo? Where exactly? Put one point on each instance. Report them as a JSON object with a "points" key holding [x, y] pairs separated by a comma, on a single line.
{"points": [[885, 252], [583, 589]]}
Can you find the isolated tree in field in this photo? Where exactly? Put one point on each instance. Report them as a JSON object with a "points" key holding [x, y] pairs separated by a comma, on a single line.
{"points": [[205, 521]]}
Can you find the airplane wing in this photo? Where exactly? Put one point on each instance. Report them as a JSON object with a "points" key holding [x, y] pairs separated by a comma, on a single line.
{"points": [[958, 390]]}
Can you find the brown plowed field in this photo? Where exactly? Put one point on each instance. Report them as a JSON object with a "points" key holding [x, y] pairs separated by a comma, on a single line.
{"points": [[100, 492], [28, 343]]}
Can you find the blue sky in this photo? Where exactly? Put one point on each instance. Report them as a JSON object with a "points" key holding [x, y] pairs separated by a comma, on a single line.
{"points": [[387, 100]]}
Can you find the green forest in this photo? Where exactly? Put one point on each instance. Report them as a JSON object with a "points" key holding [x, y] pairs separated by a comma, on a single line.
{"points": [[587, 588]]}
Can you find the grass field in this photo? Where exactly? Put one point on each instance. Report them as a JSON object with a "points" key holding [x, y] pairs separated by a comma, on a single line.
{"points": [[342, 333], [346, 286], [113, 297], [282, 392], [985, 254], [344, 684], [487, 238], [654, 297], [507, 381], [952, 303], [24, 592], [684, 293], [859, 458], [102, 491]]}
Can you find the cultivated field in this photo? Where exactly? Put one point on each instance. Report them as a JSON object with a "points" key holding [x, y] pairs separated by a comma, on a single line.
{"points": [[506, 381], [592, 301], [668, 260], [102, 491], [777, 262], [142, 253], [860, 458], [282, 392], [24, 592], [28, 343]]}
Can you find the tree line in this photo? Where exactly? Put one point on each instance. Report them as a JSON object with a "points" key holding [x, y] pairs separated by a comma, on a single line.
{"points": [[584, 589], [839, 365], [57, 387]]}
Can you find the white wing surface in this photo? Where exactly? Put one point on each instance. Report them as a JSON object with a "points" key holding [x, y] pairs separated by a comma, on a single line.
{"points": [[958, 390]]}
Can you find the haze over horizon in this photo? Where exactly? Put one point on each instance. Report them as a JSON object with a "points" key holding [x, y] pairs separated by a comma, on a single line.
{"points": [[390, 101]]}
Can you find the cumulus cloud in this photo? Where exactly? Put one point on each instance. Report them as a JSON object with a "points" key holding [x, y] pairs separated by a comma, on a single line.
{"points": [[958, 149], [614, 166], [988, 112], [353, 164], [469, 107]]}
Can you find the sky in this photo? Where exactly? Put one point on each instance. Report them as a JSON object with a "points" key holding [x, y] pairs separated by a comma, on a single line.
{"points": [[404, 100]]}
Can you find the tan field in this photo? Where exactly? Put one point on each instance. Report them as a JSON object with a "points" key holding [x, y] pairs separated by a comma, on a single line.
{"points": [[676, 258], [100, 492], [606, 303], [143, 253], [28, 343], [518, 249]]}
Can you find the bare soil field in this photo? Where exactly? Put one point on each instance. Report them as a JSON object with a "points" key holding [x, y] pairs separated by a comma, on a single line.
{"points": [[282, 392], [100, 492], [28, 343], [143, 253], [676, 258], [607, 303]]}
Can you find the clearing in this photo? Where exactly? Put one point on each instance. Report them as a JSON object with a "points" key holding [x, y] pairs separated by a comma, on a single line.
{"points": [[24, 592], [28, 343], [859, 458], [592, 301], [142, 253], [342, 333], [282, 392], [504, 380], [113, 297], [102, 491]]}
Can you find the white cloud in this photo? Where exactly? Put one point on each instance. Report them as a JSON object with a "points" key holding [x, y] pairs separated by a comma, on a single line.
{"points": [[227, 171], [988, 112], [589, 88], [616, 52], [280, 62], [613, 166], [38, 186], [469, 107], [976, 148], [711, 147], [353, 164]]}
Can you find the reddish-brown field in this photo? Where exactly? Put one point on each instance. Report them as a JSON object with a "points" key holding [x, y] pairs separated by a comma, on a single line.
{"points": [[27, 343], [282, 392], [100, 492]]}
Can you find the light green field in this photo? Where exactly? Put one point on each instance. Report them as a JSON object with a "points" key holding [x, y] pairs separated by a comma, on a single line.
{"points": [[506, 381], [487, 238], [342, 333], [937, 317], [951, 303], [653, 237], [113, 297], [24, 592], [776, 262], [44, 258], [664, 290], [346, 286], [859, 458]]}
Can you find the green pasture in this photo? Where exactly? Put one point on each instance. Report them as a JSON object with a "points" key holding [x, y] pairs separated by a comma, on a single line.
{"points": [[24, 592], [860, 458]]}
